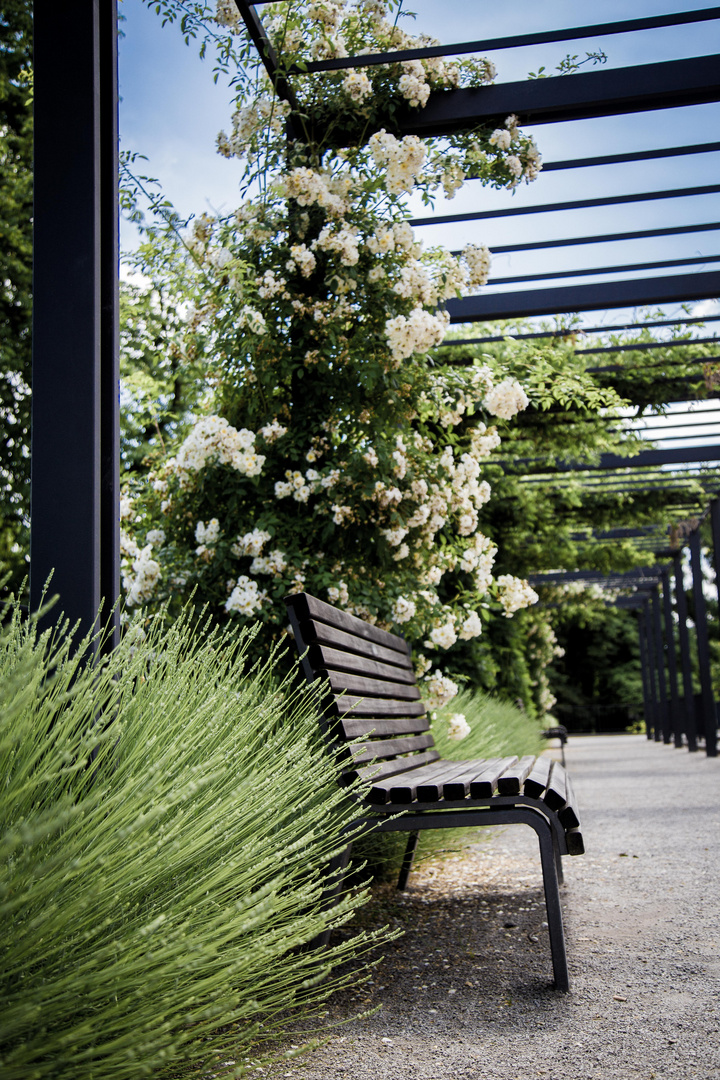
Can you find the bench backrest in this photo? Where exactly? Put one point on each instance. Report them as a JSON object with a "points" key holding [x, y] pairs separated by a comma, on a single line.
{"points": [[371, 695]]}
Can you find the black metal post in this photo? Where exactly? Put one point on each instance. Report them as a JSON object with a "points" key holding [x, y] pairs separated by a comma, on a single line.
{"points": [[674, 712], [75, 420], [652, 669], [647, 701], [662, 730], [715, 525], [708, 702], [689, 724]]}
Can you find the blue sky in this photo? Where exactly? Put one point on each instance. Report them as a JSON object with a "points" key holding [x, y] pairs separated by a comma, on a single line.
{"points": [[172, 111]]}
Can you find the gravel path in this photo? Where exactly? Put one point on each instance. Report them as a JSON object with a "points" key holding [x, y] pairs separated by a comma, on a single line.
{"points": [[465, 994]]}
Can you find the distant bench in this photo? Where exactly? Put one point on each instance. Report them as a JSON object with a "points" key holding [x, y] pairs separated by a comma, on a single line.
{"points": [[372, 695]]}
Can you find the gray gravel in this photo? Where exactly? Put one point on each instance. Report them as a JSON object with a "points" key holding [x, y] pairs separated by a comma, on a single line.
{"points": [[466, 992]]}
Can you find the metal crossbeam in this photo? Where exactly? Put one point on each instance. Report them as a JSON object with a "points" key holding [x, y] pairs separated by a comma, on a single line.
{"points": [[615, 92], [695, 260], [574, 331], [577, 204], [575, 33], [673, 288], [603, 238]]}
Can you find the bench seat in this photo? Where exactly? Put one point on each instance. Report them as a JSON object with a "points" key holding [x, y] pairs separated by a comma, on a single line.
{"points": [[374, 721]]}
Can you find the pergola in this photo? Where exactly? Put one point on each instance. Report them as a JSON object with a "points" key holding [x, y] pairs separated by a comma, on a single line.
{"points": [[75, 445]]}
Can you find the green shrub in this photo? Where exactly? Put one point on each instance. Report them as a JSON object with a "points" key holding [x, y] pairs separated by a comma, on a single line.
{"points": [[166, 819]]}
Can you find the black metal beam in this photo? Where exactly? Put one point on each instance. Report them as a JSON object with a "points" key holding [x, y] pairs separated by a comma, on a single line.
{"points": [[603, 238], [574, 33], [646, 458], [673, 288], [643, 346], [612, 92], [573, 204], [577, 330], [75, 424], [266, 52], [595, 271], [636, 155]]}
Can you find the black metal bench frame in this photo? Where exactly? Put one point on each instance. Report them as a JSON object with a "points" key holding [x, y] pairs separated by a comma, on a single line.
{"points": [[371, 693]]}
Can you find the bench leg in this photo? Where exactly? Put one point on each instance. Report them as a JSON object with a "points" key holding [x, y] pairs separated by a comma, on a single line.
{"points": [[407, 860], [549, 857], [336, 872]]}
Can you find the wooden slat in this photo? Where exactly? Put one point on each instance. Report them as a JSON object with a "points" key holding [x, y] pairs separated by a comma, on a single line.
{"points": [[569, 816], [340, 681], [356, 707], [322, 656], [574, 840], [382, 789], [538, 778], [458, 786], [555, 794], [485, 785], [318, 633], [385, 748], [407, 725], [309, 607], [408, 788], [433, 790], [512, 780], [379, 773]]}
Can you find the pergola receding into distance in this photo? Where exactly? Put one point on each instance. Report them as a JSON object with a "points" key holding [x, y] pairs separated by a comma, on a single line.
{"points": [[75, 442]]}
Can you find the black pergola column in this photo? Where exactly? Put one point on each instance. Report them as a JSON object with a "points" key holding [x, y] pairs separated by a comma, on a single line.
{"points": [[674, 711], [662, 730], [75, 416], [652, 669], [703, 648], [689, 723], [644, 670], [715, 525]]}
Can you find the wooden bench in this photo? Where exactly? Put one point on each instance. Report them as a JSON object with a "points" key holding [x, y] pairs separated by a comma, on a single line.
{"points": [[372, 717]]}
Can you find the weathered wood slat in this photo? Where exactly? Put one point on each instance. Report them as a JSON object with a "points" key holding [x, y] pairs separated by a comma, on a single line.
{"points": [[538, 779], [322, 656], [512, 780], [309, 607], [556, 792], [569, 815], [385, 748], [458, 786], [380, 773], [340, 680], [383, 789], [575, 844], [409, 725], [356, 707], [433, 790], [318, 633], [485, 785]]}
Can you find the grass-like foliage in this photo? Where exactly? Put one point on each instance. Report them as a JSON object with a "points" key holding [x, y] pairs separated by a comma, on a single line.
{"points": [[165, 822], [497, 728]]}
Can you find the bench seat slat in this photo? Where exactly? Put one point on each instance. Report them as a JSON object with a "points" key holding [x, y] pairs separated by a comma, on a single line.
{"points": [[480, 780], [380, 771], [318, 633], [434, 789], [512, 780], [383, 788], [556, 792], [340, 680], [309, 607], [322, 656], [537, 781], [384, 748]]}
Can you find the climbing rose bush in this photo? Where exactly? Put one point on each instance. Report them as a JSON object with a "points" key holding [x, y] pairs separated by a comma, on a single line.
{"points": [[337, 456]]}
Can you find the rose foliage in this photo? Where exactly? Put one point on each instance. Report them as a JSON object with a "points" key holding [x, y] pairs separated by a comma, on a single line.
{"points": [[333, 454]]}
